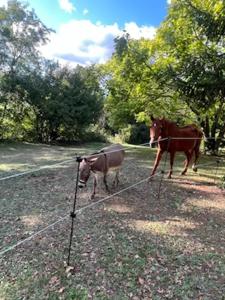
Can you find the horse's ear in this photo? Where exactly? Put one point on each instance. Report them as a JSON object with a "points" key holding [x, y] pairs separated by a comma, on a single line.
{"points": [[152, 118]]}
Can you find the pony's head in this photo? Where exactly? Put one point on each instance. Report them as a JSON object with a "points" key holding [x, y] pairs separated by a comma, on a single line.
{"points": [[155, 130], [85, 170]]}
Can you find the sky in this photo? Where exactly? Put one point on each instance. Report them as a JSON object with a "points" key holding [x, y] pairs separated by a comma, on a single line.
{"points": [[85, 29]]}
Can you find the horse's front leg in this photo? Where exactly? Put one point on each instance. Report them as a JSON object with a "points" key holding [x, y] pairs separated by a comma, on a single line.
{"points": [[172, 155], [157, 160]]}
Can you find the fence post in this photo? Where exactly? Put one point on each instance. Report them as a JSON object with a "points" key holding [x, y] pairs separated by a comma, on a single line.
{"points": [[72, 213]]}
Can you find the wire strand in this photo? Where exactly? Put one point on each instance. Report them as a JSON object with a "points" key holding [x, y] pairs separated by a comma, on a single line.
{"points": [[76, 212], [36, 170]]}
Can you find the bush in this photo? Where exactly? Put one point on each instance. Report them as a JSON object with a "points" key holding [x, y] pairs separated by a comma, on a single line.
{"points": [[134, 134], [222, 183], [94, 134]]}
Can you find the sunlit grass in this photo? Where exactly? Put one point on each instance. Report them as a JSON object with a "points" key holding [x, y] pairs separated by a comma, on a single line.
{"points": [[13, 166], [172, 227], [31, 220]]}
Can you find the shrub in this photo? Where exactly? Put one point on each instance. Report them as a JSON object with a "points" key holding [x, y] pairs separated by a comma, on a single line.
{"points": [[134, 134], [222, 183]]}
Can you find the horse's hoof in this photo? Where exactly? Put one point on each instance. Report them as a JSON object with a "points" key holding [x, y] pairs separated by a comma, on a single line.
{"points": [[183, 173], [195, 169], [92, 196], [169, 177]]}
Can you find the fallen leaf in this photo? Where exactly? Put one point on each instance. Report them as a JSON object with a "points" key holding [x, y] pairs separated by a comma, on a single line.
{"points": [[141, 280]]}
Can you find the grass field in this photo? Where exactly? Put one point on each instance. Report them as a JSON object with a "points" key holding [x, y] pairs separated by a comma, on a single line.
{"points": [[140, 244]]}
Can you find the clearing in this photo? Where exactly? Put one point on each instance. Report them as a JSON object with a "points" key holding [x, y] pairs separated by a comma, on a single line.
{"points": [[137, 245]]}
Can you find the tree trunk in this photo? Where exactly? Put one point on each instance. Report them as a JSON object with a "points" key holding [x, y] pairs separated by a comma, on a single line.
{"points": [[1, 120]]}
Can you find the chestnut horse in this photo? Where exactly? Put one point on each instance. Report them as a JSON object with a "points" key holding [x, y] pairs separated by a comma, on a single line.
{"points": [[173, 138]]}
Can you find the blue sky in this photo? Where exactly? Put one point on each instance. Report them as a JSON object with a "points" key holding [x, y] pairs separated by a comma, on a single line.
{"points": [[143, 12], [85, 29]]}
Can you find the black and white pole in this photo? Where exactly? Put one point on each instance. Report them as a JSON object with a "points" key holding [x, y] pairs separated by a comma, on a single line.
{"points": [[72, 213]]}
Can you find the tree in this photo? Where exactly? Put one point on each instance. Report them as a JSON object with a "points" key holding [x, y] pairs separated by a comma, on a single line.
{"points": [[21, 32], [190, 59], [65, 101], [134, 88]]}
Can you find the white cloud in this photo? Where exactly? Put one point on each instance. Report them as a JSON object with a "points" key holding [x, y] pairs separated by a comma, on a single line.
{"points": [[169, 2], [85, 11], [66, 5], [136, 32], [3, 3], [83, 42]]}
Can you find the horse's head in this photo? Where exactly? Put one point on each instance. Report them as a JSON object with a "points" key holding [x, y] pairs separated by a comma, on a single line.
{"points": [[155, 130]]}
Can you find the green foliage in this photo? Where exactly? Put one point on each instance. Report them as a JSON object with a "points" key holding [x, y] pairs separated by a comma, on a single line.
{"points": [[134, 134], [190, 59], [21, 32], [135, 89], [39, 98], [65, 101], [179, 74], [222, 183]]}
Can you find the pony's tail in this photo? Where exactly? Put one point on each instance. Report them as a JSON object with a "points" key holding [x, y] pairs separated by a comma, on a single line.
{"points": [[197, 149]]}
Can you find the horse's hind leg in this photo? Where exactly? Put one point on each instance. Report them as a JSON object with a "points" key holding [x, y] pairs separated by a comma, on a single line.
{"points": [[197, 153], [187, 161], [172, 154]]}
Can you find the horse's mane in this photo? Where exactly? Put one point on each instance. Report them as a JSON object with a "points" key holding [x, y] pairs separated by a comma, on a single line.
{"points": [[171, 124], [178, 126]]}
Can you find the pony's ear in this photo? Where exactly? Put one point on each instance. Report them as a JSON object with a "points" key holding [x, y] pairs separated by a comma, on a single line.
{"points": [[92, 160], [152, 118]]}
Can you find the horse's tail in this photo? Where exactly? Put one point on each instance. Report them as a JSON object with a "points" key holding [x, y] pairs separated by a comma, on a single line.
{"points": [[199, 137]]}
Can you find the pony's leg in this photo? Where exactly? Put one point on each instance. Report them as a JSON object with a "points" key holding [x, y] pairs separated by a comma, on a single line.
{"points": [[116, 180], [94, 187], [157, 160], [172, 155], [105, 182], [187, 161]]}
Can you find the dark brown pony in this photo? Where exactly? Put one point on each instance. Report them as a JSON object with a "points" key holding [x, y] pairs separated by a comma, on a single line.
{"points": [[173, 138]]}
